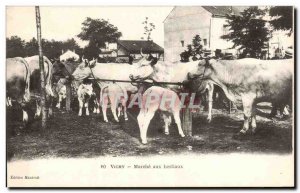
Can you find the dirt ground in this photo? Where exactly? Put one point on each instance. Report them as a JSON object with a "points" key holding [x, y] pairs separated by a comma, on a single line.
{"points": [[68, 135]]}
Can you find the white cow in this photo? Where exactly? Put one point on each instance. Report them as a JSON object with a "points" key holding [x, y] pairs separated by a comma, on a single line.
{"points": [[163, 99], [84, 92], [117, 96]]}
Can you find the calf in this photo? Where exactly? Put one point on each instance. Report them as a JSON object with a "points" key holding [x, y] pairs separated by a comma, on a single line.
{"points": [[162, 101], [84, 93], [117, 96]]}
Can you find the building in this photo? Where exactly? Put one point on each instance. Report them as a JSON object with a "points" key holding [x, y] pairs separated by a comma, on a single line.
{"points": [[183, 23], [134, 47], [125, 48]]}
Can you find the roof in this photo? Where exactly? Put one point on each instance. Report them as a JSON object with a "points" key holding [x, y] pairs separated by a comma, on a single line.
{"points": [[135, 46], [107, 51], [222, 11], [216, 11]]}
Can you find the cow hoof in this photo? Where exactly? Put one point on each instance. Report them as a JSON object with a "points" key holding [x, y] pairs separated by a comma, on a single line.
{"points": [[144, 142], [79, 115], [117, 121], [126, 119], [106, 121], [208, 120], [167, 133], [182, 135]]}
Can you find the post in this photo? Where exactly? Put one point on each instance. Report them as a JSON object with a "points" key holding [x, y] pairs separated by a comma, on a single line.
{"points": [[186, 115], [68, 95], [41, 65]]}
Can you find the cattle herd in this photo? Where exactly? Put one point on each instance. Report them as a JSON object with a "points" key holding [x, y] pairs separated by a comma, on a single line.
{"points": [[151, 85]]}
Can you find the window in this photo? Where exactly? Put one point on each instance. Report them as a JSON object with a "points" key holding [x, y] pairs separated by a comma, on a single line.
{"points": [[182, 43], [225, 30], [205, 42]]}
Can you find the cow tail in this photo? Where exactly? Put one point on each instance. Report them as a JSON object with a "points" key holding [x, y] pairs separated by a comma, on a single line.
{"points": [[101, 94], [124, 92], [48, 76], [27, 81]]}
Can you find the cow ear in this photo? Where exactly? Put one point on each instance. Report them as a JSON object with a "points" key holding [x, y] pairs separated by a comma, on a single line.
{"points": [[93, 63], [86, 63]]}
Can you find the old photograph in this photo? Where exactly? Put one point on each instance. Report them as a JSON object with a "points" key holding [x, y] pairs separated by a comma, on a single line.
{"points": [[150, 96]]}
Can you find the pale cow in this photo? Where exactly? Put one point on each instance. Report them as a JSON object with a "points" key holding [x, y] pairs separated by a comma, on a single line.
{"points": [[84, 93], [158, 98], [117, 96], [253, 81]]}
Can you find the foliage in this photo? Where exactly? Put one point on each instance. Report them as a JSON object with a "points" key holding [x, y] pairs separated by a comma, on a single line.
{"points": [[248, 31], [283, 17], [97, 32], [16, 47], [192, 50], [148, 28]]}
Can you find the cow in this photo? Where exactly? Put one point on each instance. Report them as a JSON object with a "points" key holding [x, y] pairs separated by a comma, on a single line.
{"points": [[60, 75], [117, 96], [253, 81], [162, 102], [18, 84], [84, 93], [113, 71], [35, 87], [178, 73]]}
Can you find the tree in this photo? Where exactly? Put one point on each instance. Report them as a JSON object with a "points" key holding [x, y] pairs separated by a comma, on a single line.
{"points": [[148, 28], [15, 47], [192, 49], [248, 31], [71, 44], [31, 47], [196, 43], [282, 17], [98, 32]]}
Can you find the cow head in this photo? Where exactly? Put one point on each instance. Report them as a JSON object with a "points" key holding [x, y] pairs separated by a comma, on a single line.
{"points": [[87, 89], [84, 69]]}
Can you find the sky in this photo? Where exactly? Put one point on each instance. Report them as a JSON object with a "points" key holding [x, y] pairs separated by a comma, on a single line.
{"points": [[62, 23]]}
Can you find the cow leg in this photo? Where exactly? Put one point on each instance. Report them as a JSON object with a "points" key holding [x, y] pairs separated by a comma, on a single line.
{"points": [[8, 102], [119, 111], [25, 116], [86, 105], [210, 101], [59, 101], [80, 107], [125, 110], [178, 123], [167, 120], [114, 111], [104, 108], [247, 106], [144, 120], [253, 119], [38, 110], [50, 110]]}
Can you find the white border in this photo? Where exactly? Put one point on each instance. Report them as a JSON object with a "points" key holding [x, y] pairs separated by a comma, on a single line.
{"points": [[4, 3]]}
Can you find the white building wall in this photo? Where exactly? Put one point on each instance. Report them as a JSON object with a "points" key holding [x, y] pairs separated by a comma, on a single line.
{"points": [[183, 24], [217, 31]]}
